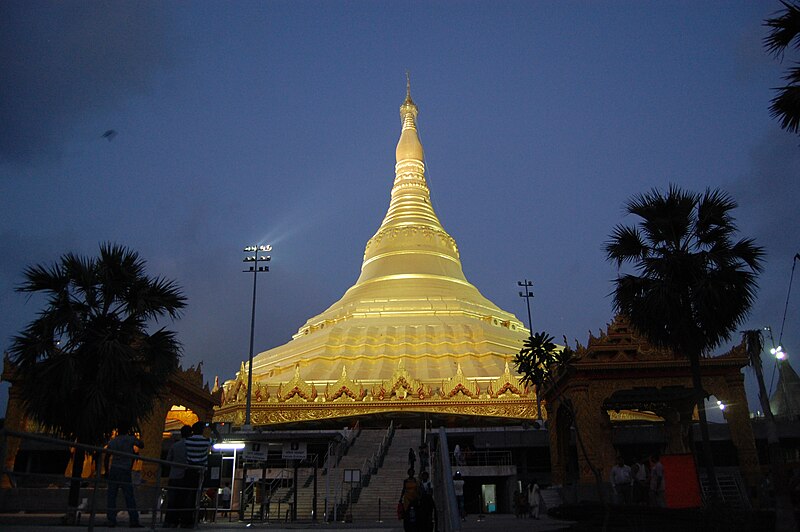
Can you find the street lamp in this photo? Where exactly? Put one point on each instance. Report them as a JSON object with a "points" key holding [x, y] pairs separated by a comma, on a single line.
{"points": [[527, 285], [527, 294], [778, 352], [255, 269]]}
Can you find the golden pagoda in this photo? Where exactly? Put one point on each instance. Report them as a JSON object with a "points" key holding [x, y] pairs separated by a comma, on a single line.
{"points": [[411, 336]]}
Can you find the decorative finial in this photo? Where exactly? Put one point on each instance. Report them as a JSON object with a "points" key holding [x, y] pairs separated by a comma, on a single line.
{"points": [[408, 85]]}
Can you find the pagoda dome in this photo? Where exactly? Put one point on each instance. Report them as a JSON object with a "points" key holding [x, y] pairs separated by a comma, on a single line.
{"points": [[410, 318]]}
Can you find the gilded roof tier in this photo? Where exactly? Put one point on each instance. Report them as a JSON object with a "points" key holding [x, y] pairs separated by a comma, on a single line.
{"points": [[411, 307]]}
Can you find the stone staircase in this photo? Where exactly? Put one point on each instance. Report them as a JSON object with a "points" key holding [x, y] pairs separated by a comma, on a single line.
{"points": [[278, 508], [376, 498], [731, 486], [383, 490]]}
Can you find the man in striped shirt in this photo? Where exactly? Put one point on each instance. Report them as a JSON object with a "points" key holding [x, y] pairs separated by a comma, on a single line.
{"points": [[197, 448], [197, 445]]}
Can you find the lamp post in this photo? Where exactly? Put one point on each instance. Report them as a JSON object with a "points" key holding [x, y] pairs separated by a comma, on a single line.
{"points": [[255, 269], [527, 293]]}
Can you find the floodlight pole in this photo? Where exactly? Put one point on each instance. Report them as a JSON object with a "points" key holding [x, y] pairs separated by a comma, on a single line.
{"points": [[255, 269], [527, 285]]}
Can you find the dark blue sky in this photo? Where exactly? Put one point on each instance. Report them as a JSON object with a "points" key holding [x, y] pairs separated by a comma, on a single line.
{"points": [[248, 122]]}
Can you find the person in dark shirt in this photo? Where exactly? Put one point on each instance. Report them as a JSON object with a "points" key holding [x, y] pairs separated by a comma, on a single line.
{"points": [[427, 508], [178, 498], [119, 477]]}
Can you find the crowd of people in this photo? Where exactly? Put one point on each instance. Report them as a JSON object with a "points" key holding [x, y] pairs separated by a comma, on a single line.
{"points": [[416, 506], [182, 486], [528, 503], [641, 483]]}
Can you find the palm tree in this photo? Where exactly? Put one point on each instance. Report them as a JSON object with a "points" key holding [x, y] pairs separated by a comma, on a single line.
{"points": [[693, 282], [90, 350], [785, 31]]}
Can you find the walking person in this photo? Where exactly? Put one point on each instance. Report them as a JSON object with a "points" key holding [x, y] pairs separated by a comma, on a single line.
{"points": [[412, 458], [424, 458], [409, 498], [197, 448], [119, 477], [178, 496]]}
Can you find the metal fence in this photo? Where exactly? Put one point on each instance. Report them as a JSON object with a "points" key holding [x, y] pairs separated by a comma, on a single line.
{"points": [[47, 493]]}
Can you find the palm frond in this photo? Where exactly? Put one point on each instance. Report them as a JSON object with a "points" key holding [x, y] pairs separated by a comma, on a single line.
{"points": [[626, 245], [784, 29], [786, 108]]}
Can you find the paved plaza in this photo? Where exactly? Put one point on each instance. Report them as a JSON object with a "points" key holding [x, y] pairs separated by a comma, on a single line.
{"points": [[496, 522]]}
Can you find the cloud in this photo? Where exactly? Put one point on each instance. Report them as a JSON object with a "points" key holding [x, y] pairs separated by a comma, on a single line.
{"points": [[62, 61]]}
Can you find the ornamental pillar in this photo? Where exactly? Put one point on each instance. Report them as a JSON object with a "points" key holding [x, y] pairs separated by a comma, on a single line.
{"points": [[591, 433], [558, 448], [15, 420], [152, 430]]}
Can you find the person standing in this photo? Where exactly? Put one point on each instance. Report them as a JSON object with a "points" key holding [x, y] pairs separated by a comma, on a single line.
{"points": [[226, 499], [534, 495], [409, 497], [424, 458], [621, 480], [457, 455], [119, 476], [427, 507], [197, 448], [640, 484], [178, 496], [458, 486], [657, 484]]}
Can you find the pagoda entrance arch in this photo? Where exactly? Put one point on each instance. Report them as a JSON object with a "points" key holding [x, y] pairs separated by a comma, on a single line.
{"points": [[186, 400], [619, 378]]}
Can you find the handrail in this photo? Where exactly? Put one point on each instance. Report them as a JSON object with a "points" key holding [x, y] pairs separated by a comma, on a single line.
{"points": [[482, 458], [96, 481], [451, 515]]}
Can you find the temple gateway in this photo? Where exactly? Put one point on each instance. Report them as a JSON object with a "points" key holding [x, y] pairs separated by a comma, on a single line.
{"points": [[412, 337]]}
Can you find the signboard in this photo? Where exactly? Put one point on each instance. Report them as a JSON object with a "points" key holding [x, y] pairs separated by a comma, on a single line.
{"points": [[352, 476], [294, 450], [680, 481], [255, 452]]}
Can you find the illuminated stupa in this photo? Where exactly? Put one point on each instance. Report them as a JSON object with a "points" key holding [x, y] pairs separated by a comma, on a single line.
{"points": [[411, 336]]}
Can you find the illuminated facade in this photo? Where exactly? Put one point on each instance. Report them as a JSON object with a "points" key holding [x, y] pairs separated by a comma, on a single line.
{"points": [[412, 335]]}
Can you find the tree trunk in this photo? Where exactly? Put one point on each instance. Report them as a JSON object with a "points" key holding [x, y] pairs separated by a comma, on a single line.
{"points": [[784, 512], [708, 456]]}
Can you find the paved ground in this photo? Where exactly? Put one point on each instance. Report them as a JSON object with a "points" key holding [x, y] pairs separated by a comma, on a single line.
{"points": [[494, 523]]}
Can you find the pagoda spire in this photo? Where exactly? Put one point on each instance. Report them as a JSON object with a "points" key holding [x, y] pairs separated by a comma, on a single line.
{"points": [[411, 239], [409, 146]]}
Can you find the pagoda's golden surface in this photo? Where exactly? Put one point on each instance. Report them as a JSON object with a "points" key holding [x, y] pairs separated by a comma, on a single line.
{"points": [[411, 335]]}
